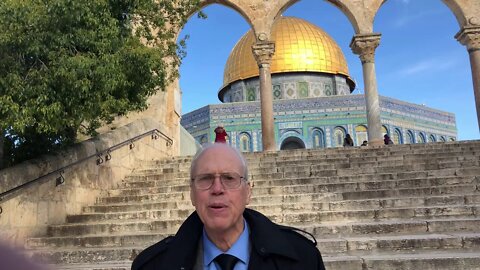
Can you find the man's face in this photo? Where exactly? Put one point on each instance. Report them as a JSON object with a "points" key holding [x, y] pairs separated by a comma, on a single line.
{"points": [[220, 209]]}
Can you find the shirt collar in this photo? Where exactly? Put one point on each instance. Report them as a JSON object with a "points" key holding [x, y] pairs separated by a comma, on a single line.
{"points": [[239, 249]]}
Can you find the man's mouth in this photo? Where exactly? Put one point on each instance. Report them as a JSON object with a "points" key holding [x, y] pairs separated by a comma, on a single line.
{"points": [[217, 206]]}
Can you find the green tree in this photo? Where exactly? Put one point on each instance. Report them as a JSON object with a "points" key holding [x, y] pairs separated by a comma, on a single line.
{"points": [[68, 66]]}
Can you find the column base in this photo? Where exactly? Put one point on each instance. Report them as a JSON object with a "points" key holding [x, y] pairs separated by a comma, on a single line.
{"points": [[375, 142]]}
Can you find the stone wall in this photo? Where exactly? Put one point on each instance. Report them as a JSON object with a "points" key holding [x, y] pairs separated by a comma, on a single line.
{"points": [[30, 212], [188, 144]]}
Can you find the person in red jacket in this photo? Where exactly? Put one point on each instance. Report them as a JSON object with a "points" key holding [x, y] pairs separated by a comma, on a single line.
{"points": [[220, 135]]}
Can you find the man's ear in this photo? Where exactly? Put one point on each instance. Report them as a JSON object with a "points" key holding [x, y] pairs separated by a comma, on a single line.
{"points": [[249, 192], [192, 196]]}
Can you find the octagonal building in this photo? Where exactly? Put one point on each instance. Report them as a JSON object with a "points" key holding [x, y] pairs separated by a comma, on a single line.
{"points": [[313, 105]]}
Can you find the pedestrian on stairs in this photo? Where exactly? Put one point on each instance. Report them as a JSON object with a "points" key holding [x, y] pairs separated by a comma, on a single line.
{"points": [[222, 234], [220, 134], [387, 140], [348, 141]]}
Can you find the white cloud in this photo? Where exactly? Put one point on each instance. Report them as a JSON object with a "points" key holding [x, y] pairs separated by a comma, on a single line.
{"points": [[427, 66], [408, 18]]}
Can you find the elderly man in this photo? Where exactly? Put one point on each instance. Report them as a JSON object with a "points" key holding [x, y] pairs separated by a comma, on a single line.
{"points": [[222, 234]]}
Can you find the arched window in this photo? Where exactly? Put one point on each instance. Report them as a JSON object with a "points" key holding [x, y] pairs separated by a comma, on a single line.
{"points": [[397, 136], [361, 134], [245, 142], [452, 139], [421, 138], [432, 138], [318, 139], [384, 130], [410, 137], [443, 139], [338, 136]]}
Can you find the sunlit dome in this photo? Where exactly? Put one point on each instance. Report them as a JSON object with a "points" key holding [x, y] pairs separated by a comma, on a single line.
{"points": [[299, 47]]}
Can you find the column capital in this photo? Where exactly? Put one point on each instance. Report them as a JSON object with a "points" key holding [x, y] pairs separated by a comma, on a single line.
{"points": [[263, 53], [365, 45], [470, 37]]}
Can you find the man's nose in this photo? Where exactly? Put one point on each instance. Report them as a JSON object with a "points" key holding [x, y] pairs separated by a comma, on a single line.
{"points": [[217, 184]]}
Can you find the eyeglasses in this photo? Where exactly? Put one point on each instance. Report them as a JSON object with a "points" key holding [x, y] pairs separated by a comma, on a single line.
{"points": [[229, 180]]}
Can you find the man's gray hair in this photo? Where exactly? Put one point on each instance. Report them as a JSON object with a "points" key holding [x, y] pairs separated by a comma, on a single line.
{"points": [[212, 145]]}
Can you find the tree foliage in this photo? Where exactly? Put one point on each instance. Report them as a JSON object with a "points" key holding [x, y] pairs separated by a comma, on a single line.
{"points": [[67, 66]]}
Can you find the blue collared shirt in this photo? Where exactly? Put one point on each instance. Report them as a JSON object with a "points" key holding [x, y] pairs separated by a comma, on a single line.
{"points": [[240, 249]]}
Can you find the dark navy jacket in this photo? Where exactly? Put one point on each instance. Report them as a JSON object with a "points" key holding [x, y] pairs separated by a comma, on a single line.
{"points": [[274, 247]]}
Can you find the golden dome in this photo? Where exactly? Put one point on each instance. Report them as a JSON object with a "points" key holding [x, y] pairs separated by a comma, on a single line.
{"points": [[299, 47]]}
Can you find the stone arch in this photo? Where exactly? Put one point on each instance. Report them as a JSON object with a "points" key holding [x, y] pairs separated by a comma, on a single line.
{"points": [[397, 136], [385, 130], [318, 138], [460, 10], [339, 134], [358, 14], [292, 142], [245, 142], [421, 138], [410, 137], [289, 136], [230, 4], [361, 134]]}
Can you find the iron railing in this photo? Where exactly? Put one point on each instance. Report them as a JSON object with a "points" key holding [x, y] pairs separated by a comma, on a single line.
{"points": [[102, 156]]}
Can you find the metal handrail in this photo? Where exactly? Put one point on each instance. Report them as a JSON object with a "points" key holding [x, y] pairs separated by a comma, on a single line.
{"points": [[60, 179]]}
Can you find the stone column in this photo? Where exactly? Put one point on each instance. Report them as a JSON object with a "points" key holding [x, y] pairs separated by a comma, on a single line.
{"points": [[365, 45], [263, 52], [470, 37]]}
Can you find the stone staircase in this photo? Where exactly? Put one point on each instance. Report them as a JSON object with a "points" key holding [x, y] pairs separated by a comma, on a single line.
{"points": [[395, 207]]}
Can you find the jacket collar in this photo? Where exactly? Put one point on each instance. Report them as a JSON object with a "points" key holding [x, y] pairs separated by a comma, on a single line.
{"points": [[268, 239]]}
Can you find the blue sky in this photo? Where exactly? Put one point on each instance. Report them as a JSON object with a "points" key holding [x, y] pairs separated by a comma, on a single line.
{"points": [[418, 59]]}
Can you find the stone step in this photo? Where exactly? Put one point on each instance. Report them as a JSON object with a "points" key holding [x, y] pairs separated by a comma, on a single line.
{"points": [[155, 185], [157, 214], [409, 192], [406, 242], [346, 190], [376, 166], [281, 203], [343, 166], [318, 162], [271, 179], [301, 218], [423, 259], [445, 160], [91, 256], [115, 265], [296, 215], [99, 208], [163, 180], [393, 226], [336, 231], [385, 198], [339, 244]]}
